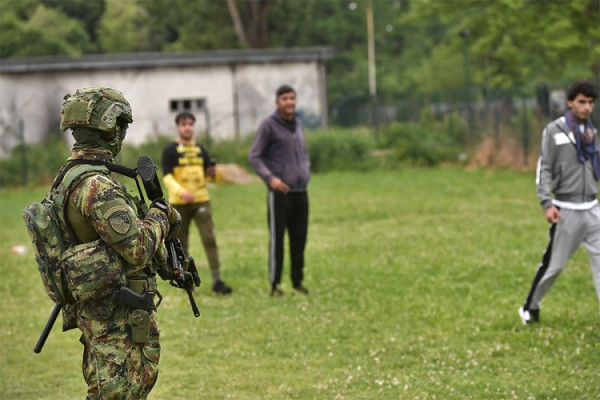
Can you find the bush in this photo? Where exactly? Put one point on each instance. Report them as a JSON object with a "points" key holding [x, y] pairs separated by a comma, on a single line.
{"points": [[339, 149], [232, 151], [224, 150], [42, 162], [153, 148], [427, 143]]}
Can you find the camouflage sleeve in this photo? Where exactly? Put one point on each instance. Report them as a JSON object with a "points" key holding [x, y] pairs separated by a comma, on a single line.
{"points": [[113, 216]]}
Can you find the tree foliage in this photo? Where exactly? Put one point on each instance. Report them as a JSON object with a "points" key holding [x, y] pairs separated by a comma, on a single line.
{"points": [[417, 42], [30, 28], [514, 42], [123, 27]]}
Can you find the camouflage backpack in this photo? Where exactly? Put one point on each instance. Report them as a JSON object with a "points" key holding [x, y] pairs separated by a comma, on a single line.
{"points": [[43, 226]]}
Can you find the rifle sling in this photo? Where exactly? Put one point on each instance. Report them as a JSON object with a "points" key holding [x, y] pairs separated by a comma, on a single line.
{"points": [[119, 169]]}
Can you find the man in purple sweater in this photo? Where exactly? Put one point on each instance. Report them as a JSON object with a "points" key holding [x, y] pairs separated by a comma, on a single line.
{"points": [[280, 157]]}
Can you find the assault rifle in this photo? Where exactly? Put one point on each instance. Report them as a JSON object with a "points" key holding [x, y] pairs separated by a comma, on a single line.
{"points": [[180, 270]]}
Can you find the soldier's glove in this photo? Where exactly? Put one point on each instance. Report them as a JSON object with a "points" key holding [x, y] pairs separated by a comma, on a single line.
{"points": [[172, 215]]}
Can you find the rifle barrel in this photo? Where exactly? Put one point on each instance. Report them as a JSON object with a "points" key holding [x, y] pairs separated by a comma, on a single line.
{"points": [[192, 302], [49, 324]]}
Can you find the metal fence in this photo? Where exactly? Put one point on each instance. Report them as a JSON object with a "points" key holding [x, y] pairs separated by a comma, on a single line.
{"points": [[516, 114]]}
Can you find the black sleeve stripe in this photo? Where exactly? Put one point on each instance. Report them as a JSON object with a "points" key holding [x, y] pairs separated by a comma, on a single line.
{"points": [[205, 155], [169, 158]]}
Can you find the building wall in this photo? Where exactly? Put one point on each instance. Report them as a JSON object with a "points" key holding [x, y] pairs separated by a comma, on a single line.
{"points": [[233, 98], [256, 86]]}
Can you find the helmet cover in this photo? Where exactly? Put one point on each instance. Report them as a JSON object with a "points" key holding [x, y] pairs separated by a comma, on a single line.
{"points": [[98, 108]]}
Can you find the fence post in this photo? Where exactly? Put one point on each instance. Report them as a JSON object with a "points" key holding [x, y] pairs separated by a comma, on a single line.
{"points": [[23, 154], [525, 130]]}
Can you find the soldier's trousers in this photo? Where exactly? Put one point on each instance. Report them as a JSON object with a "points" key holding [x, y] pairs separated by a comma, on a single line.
{"points": [[113, 366]]}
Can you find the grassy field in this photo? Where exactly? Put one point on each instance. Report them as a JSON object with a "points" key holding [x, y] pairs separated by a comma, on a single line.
{"points": [[415, 278]]}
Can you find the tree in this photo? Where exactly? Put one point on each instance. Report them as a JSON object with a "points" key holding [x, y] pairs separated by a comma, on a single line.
{"points": [[30, 29], [515, 42], [251, 26], [123, 27], [183, 25], [418, 48], [85, 11]]}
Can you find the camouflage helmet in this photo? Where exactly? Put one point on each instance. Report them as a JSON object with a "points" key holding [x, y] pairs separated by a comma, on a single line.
{"points": [[98, 108]]}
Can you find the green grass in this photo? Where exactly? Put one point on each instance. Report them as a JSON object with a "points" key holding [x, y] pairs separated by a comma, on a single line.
{"points": [[415, 277]]}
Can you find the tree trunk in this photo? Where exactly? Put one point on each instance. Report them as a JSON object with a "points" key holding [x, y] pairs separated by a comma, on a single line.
{"points": [[237, 22], [258, 30], [255, 13]]}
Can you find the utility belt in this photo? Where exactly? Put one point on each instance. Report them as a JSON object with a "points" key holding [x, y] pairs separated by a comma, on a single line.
{"points": [[138, 294]]}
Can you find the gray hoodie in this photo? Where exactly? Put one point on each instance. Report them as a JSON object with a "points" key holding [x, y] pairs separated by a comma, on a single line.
{"points": [[559, 170], [280, 151]]}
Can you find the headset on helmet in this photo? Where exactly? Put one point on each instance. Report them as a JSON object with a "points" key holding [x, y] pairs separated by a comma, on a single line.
{"points": [[98, 108]]}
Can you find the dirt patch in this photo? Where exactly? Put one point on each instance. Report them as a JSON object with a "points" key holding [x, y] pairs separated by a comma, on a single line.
{"points": [[234, 174], [501, 152]]}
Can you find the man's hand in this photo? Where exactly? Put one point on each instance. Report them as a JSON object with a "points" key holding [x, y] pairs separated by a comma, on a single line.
{"points": [[188, 197], [278, 185], [552, 214]]}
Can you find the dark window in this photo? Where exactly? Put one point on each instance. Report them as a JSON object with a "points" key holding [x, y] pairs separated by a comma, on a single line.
{"points": [[192, 105]]}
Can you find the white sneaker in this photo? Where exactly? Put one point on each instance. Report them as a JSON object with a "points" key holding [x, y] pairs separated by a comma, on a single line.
{"points": [[525, 316], [529, 316]]}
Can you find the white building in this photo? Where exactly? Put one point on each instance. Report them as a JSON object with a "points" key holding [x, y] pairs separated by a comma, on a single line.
{"points": [[230, 91]]}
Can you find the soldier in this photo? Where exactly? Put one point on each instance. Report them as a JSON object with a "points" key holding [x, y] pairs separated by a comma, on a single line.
{"points": [[102, 225]]}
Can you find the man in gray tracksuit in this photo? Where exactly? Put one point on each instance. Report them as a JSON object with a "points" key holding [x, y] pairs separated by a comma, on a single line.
{"points": [[569, 168], [280, 157]]}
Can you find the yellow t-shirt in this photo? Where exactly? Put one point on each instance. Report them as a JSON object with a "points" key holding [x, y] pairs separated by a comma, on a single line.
{"points": [[183, 169]]}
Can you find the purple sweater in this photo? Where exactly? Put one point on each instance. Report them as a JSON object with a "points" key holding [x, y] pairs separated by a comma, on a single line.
{"points": [[280, 151]]}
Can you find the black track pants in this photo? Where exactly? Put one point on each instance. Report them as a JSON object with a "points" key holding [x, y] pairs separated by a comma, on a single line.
{"points": [[287, 211]]}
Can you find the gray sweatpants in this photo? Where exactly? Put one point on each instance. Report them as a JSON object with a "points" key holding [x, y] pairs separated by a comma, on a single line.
{"points": [[573, 229]]}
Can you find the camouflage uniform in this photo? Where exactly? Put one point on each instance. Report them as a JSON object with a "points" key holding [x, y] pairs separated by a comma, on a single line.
{"points": [[99, 207]]}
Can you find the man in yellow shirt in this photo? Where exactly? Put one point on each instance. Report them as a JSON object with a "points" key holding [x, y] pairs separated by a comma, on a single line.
{"points": [[186, 164]]}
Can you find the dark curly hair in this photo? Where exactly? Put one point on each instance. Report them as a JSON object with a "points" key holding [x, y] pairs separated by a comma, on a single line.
{"points": [[584, 87]]}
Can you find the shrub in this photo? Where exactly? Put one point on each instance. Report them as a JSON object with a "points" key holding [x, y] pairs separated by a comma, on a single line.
{"points": [[152, 148], [224, 150], [427, 143], [42, 162], [339, 149], [232, 151]]}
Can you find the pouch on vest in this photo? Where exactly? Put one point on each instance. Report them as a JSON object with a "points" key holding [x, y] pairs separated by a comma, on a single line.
{"points": [[93, 270], [139, 323], [45, 234]]}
